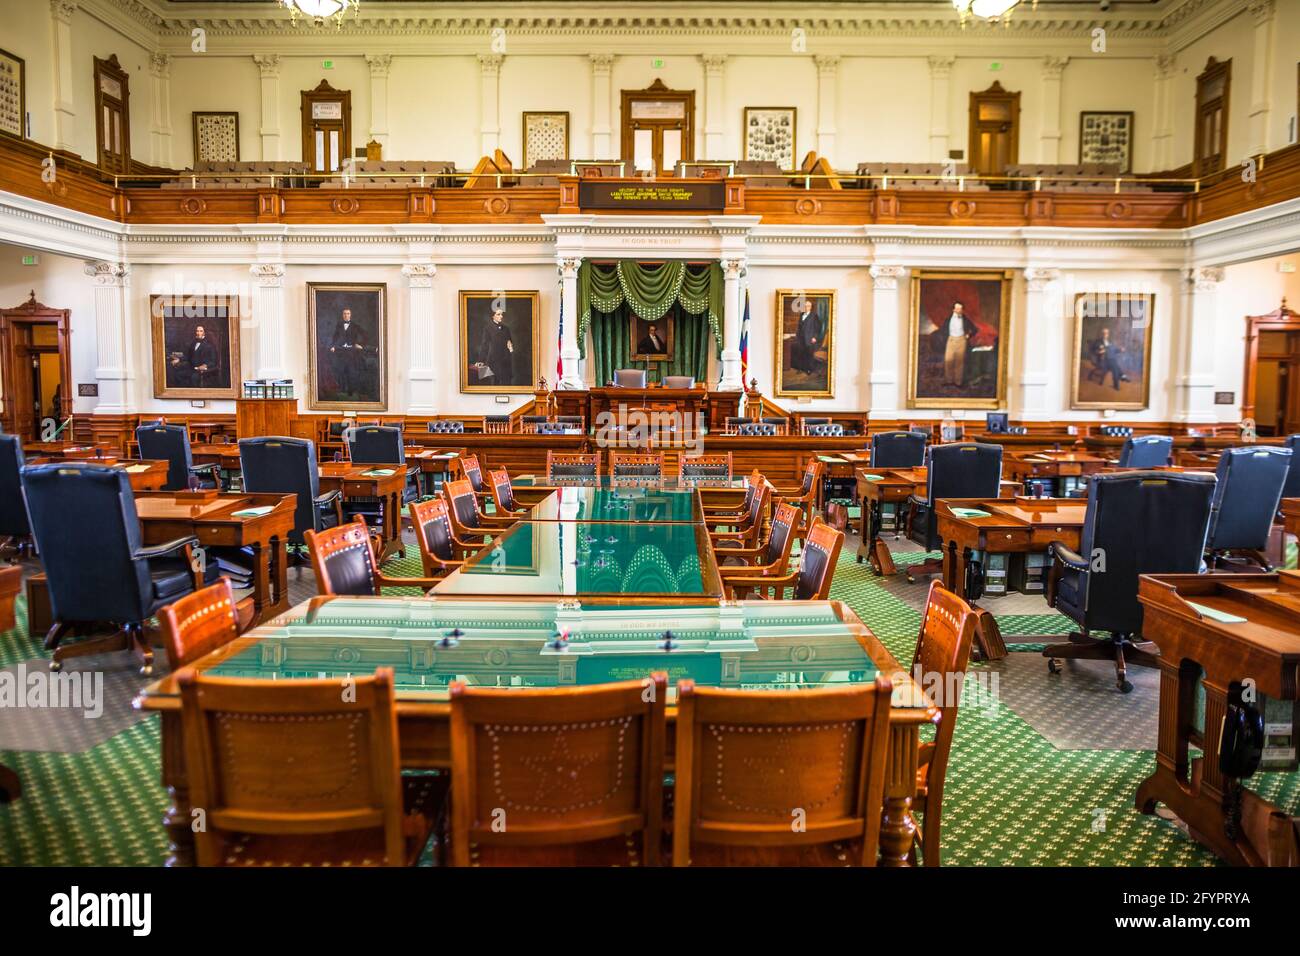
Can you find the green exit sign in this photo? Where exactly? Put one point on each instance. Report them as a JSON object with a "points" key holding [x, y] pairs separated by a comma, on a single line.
{"points": [[327, 64], [31, 260], [657, 63], [995, 66]]}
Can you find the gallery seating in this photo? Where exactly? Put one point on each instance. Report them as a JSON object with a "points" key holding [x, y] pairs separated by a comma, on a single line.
{"points": [[1246, 500]]}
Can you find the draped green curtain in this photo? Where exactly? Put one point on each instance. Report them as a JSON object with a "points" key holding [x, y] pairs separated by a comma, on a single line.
{"points": [[608, 295]]}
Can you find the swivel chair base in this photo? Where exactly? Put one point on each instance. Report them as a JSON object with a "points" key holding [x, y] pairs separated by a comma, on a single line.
{"points": [[1120, 648], [10, 788], [130, 637]]}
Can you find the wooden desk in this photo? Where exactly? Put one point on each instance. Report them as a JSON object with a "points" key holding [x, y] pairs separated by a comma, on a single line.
{"points": [[1266, 649], [876, 489], [144, 475], [68, 450], [713, 407], [1012, 526], [503, 642], [364, 481], [1054, 441], [1051, 466], [164, 518]]}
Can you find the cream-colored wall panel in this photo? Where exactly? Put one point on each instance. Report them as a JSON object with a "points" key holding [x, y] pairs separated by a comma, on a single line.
{"points": [[1284, 89], [1248, 288], [433, 109], [1234, 40], [1016, 75], [92, 38], [299, 73], [545, 84], [771, 81], [1108, 84], [636, 72], [884, 111], [230, 84], [30, 37]]}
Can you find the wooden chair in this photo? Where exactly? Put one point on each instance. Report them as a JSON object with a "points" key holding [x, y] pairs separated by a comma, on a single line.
{"points": [[780, 778], [503, 495], [809, 494], [772, 558], [298, 773], [570, 776], [468, 523], [440, 551], [734, 516], [344, 561], [201, 622], [572, 466], [473, 472], [812, 580], [706, 467], [942, 652], [636, 467], [745, 533]]}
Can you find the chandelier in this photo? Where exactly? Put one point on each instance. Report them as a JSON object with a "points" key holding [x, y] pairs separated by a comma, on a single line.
{"points": [[321, 10], [992, 10]]}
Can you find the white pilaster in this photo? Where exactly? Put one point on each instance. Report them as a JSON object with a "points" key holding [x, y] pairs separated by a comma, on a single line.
{"points": [[1041, 343], [1261, 71], [570, 376], [731, 269], [268, 66], [379, 66], [940, 107], [65, 113], [268, 317], [1162, 132], [160, 130], [602, 130], [420, 315], [885, 319], [713, 105], [1049, 137], [489, 124], [112, 337], [828, 88], [1194, 378]]}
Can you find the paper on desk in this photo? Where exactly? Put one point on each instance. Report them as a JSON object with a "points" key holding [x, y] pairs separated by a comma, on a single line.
{"points": [[135, 469], [832, 459], [1223, 617], [252, 512], [874, 477], [379, 472], [970, 513]]}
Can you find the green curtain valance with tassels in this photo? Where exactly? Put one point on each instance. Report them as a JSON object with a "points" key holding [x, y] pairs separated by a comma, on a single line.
{"points": [[649, 291]]}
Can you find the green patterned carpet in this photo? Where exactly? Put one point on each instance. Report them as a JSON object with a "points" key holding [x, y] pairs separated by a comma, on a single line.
{"points": [[1011, 798]]}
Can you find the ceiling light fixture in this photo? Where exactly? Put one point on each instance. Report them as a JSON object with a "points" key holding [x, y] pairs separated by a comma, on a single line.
{"points": [[991, 10], [321, 10]]}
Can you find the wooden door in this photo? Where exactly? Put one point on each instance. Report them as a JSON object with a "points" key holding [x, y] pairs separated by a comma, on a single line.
{"points": [[326, 128], [1272, 376], [34, 385], [658, 128], [1212, 88], [112, 116], [994, 130]]}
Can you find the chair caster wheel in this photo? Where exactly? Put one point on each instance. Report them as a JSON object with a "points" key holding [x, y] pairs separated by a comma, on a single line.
{"points": [[1125, 687], [146, 670], [56, 665], [1053, 666]]}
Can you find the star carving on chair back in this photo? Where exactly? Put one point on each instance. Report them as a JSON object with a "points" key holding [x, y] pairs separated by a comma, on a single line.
{"points": [[558, 770], [563, 783]]}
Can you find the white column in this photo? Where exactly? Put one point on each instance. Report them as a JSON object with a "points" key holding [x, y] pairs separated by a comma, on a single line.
{"points": [[569, 374], [1162, 129], [65, 113], [713, 105], [160, 72], [420, 316], [602, 130], [112, 337], [1043, 316], [731, 381], [1194, 379], [268, 66], [885, 320], [268, 317], [1261, 71], [489, 124], [828, 81], [379, 66], [940, 108], [1049, 137]]}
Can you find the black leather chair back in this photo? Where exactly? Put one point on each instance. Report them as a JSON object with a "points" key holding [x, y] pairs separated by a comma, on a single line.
{"points": [[87, 531], [466, 508], [964, 470], [378, 445], [630, 378], [13, 506], [1292, 487], [436, 531], [1140, 523], [897, 449], [171, 444], [446, 427], [1147, 451], [284, 466], [352, 570], [1247, 495]]}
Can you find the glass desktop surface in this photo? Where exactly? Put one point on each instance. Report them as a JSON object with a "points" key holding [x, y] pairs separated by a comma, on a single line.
{"points": [[638, 503], [668, 483], [576, 558], [761, 645]]}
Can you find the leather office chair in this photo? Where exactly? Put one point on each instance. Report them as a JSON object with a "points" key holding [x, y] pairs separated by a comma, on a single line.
{"points": [[288, 466], [780, 423], [679, 381], [898, 449], [551, 428], [344, 561], [1246, 501], [383, 445], [1147, 451], [630, 378], [14, 523], [1116, 431], [446, 428], [1136, 523], [98, 568], [764, 429], [732, 423], [171, 443], [828, 748], [831, 430], [529, 424], [956, 470], [630, 465], [1291, 489], [571, 421]]}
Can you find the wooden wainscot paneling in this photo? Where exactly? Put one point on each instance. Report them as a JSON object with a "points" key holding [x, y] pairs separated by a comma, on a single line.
{"points": [[519, 204], [170, 206], [1123, 209], [822, 207], [69, 183], [1276, 177], [343, 206]]}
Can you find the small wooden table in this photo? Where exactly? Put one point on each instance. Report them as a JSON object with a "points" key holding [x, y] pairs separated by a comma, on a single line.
{"points": [[368, 481], [876, 489], [1051, 466], [1264, 648]]}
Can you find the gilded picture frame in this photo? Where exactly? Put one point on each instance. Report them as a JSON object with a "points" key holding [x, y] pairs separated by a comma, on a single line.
{"points": [[769, 134], [969, 374], [347, 361], [195, 345], [804, 354], [540, 136], [639, 335], [13, 94], [201, 118], [1110, 329], [484, 352]]}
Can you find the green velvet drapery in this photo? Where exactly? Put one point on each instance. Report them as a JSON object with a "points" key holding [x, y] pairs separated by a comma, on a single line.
{"points": [[608, 295]]}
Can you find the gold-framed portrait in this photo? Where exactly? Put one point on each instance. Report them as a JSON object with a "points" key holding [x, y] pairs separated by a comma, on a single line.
{"points": [[652, 341], [499, 341], [805, 343], [958, 339], [195, 341], [1111, 359], [347, 345]]}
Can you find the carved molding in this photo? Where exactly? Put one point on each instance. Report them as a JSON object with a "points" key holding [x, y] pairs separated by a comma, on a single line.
{"points": [[420, 275], [886, 277], [160, 65], [268, 64], [827, 65], [601, 62], [732, 268], [489, 64], [941, 66], [62, 10], [568, 267], [713, 62], [1262, 10], [1038, 279], [1054, 66], [108, 273], [268, 275], [379, 63]]}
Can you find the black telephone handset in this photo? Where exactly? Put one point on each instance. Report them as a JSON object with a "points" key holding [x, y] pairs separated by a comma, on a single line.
{"points": [[1242, 743]]}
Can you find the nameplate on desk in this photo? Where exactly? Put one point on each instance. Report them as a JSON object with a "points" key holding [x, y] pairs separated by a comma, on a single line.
{"points": [[644, 195]]}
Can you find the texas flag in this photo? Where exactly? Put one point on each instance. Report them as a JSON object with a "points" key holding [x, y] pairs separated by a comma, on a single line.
{"points": [[744, 338], [559, 360]]}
